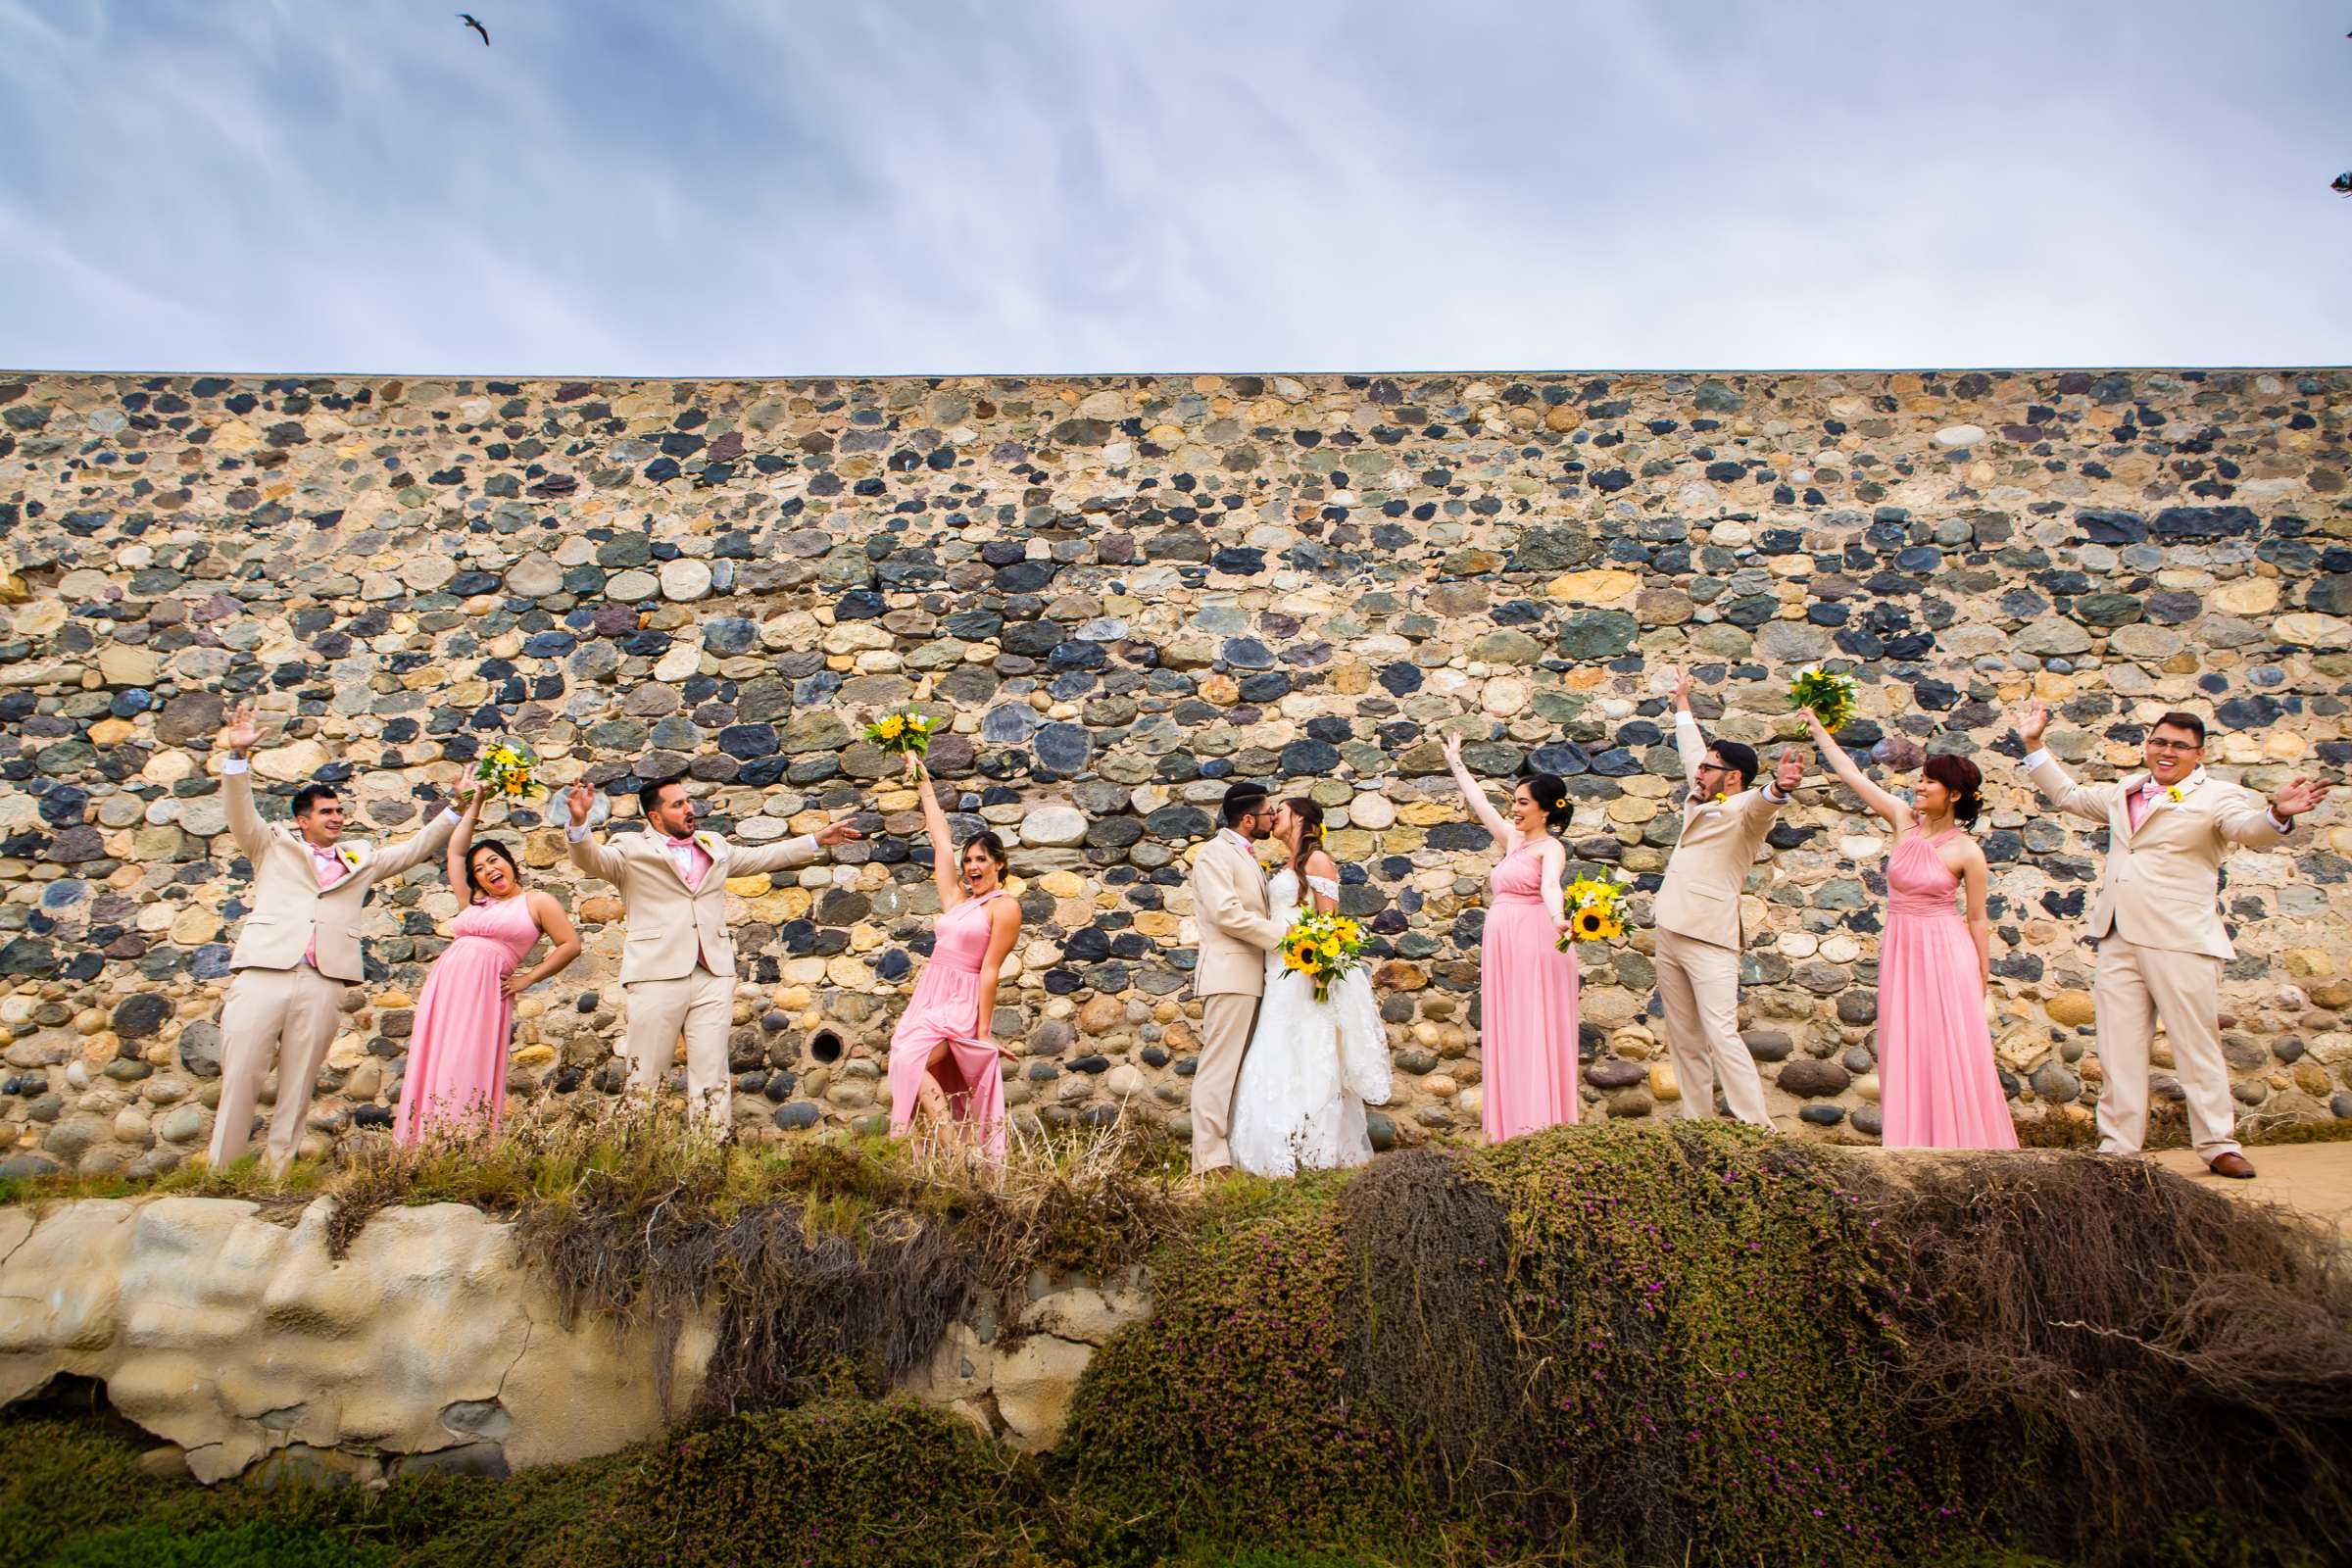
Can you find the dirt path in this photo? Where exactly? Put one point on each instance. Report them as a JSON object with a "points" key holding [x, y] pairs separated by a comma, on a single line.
{"points": [[2316, 1178]]}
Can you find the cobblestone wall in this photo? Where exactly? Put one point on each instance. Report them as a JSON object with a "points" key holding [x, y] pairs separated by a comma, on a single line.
{"points": [[1125, 591]]}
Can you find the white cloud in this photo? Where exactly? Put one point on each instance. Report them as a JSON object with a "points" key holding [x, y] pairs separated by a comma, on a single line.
{"points": [[739, 187]]}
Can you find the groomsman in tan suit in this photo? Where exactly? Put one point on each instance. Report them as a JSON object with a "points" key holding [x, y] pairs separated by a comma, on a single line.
{"points": [[1697, 912], [298, 949], [678, 961], [1229, 975], [2157, 921]]}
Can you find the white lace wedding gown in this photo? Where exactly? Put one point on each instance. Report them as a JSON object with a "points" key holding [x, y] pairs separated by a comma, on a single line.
{"points": [[1312, 1065]]}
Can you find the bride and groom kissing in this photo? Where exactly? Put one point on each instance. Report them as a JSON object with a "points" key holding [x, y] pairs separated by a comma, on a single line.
{"points": [[1281, 1079]]}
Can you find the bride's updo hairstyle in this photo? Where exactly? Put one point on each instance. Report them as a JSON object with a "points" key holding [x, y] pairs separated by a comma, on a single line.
{"points": [[1551, 794], [1310, 833]]}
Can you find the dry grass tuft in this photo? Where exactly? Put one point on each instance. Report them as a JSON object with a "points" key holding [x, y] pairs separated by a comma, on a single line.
{"points": [[2161, 1349]]}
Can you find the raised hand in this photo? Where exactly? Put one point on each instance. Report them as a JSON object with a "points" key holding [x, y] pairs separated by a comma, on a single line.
{"points": [[241, 731], [2031, 720], [837, 831], [2297, 796], [914, 768], [1791, 770], [582, 800], [1453, 749], [1682, 687]]}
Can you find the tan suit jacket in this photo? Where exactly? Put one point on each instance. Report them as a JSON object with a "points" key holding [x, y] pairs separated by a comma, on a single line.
{"points": [[1229, 910], [1700, 896], [669, 924], [289, 907], [2164, 882]]}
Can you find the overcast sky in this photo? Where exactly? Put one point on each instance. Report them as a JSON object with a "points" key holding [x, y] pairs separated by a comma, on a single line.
{"points": [[734, 187]]}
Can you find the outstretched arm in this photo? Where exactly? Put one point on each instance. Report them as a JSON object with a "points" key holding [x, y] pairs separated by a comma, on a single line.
{"points": [[1474, 795], [419, 847], [1850, 773], [461, 841], [1689, 741], [586, 853], [943, 842], [2091, 803], [785, 853], [236, 783]]}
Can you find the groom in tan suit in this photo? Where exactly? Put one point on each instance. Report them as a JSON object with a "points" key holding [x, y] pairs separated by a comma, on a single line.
{"points": [[298, 949], [1697, 912], [678, 961], [2160, 940], [1229, 976]]}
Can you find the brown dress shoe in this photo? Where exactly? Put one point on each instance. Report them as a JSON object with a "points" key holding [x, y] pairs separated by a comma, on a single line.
{"points": [[2231, 1164]]}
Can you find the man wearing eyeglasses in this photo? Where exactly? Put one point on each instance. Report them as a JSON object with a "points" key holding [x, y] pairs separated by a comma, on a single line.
{"points": [[2158, 921]]}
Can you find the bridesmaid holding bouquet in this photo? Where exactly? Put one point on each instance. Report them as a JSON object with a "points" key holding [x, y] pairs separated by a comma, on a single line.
{"points": [[946, 1066], [1528, 986], [457, 1071], [1937, 1083]]}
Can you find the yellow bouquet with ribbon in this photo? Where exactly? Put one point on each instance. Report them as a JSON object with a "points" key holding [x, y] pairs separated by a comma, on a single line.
{"points": [[1593, 905], [1829, 695], [509, 769], [1322, 947], [905, 733]]}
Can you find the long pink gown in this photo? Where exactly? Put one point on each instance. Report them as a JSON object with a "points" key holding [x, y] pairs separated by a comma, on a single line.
{"points": [[1938, 1085], [457, 1048], [1527, 1005], [947, 1008]]}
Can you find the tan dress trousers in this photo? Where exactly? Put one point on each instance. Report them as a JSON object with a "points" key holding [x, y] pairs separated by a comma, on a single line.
{"points": [[700, 1006], [2134, 987], [1226, 1020], [1699, 983], [285, 1017]]}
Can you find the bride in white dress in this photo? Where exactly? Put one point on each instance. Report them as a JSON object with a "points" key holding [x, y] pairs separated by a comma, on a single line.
{"points": [[1312, 1065]]}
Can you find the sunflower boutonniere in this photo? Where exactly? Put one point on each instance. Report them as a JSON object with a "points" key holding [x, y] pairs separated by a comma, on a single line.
{"points": [[2174, 794], [350, 858]]}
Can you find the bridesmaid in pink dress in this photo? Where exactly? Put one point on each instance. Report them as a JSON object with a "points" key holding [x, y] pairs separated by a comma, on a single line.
{"points": [[457, 1076], [1527, 987], [945, 1063], [1938, 1085]]}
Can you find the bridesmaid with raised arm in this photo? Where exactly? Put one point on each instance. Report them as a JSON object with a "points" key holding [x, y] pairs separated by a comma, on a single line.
{"points": [[457, 1073], [1938, 1085], [945, 1062], [1526, 986]]}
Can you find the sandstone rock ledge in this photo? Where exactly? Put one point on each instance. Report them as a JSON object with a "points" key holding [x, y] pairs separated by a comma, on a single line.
{"points": [[242, 1342]]}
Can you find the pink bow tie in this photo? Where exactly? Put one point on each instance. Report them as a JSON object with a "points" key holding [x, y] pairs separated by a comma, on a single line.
{"points": [[679, 844]]}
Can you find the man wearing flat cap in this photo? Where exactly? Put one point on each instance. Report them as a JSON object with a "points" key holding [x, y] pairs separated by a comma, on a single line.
{"points": [[1236, 933]]}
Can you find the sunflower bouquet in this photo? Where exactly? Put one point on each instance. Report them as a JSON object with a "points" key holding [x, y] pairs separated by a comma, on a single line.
{"points": [[511, 769], [1829, 695], [1595, 913], [1323, 948], [905, 733]]}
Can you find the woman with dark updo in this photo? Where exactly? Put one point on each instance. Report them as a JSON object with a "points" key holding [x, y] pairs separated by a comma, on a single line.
{"points": [[457, 1065], [1527, 1027], [947, 1069], [1938, 1085]]}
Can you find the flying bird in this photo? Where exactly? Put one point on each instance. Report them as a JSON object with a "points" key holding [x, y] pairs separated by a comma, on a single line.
{"points": [[467, 17]]}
